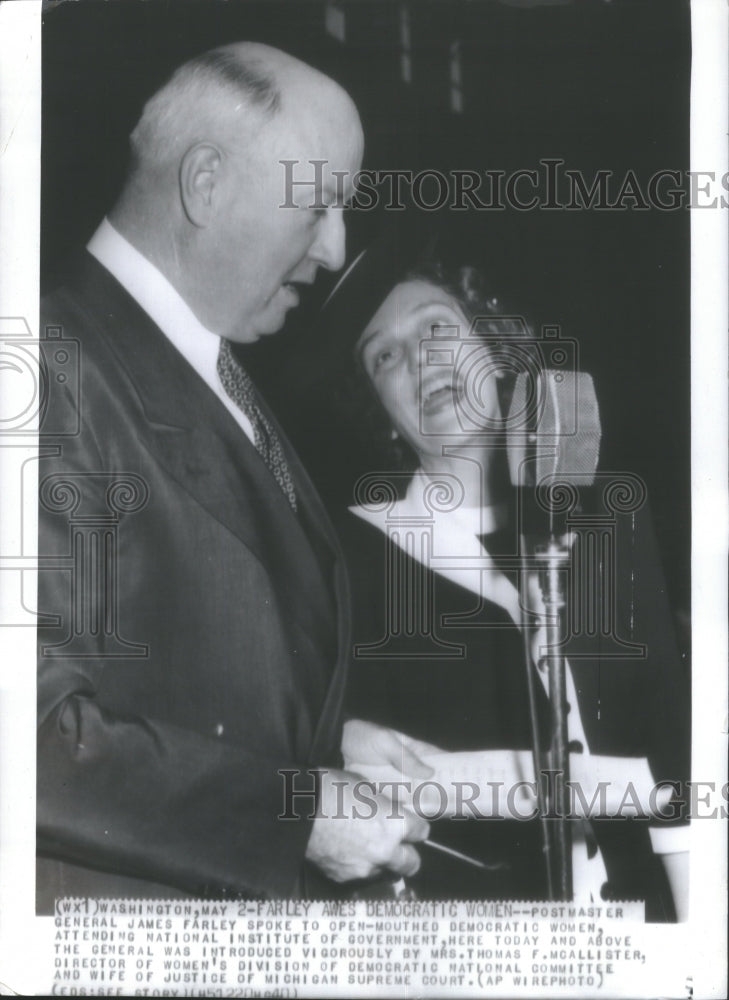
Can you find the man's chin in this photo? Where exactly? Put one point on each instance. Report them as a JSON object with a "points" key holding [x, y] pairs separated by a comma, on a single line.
{"points": [[252, 332]]}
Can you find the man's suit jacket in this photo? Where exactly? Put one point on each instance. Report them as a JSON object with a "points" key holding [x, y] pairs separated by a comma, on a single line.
{"points": [[198, 643]]}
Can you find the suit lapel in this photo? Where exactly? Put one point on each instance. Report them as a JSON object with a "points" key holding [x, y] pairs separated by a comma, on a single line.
{"points": [[192, 435]]}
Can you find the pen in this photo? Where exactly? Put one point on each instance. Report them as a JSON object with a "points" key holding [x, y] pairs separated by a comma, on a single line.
{"points": [[462, 857], [400, 888]]}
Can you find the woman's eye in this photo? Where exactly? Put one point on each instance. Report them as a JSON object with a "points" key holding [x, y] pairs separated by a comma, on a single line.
{"points": [[383, 358]]}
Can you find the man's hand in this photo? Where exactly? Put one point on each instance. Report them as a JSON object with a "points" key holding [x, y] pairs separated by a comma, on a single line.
{"points": [[358, 834], [367, 743]]}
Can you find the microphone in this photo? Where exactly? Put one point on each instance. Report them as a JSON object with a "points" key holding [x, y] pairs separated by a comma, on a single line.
{"points": [[553, 446], [553, 428]]}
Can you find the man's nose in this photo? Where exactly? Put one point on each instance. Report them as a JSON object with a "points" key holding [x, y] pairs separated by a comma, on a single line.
{"points": [[329, 247]]}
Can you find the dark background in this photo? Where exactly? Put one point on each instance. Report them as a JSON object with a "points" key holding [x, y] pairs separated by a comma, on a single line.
{"points": [[603, 85]]}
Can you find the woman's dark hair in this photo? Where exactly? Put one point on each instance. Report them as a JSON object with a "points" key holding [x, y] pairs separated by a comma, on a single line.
{"points": [[471, 287], [466, 283]]}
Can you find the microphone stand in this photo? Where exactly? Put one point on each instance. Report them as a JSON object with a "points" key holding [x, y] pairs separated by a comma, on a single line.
{"points": [[536, 740], [554, 559], [553, 426]]}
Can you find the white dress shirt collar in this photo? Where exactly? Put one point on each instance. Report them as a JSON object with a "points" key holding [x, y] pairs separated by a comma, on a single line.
{"points": [[454, 549], [166, 307]]}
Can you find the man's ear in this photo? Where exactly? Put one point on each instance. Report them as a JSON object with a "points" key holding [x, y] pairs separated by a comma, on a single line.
{"points": [[198, 176]]}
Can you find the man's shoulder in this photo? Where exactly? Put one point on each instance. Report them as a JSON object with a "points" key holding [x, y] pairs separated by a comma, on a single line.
{"points": [[90, 308], [82, 320], [85, 292]]}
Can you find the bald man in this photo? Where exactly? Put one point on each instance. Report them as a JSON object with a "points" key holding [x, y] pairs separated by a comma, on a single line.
{"points": [[194, 627]]}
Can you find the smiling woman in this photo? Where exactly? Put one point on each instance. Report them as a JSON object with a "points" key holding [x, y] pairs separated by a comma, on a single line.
{"points": [[440, 651], [419, 350], [431, 366]]}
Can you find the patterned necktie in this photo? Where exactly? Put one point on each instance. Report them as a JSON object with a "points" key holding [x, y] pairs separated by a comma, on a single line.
{"points": [[241, 390]]}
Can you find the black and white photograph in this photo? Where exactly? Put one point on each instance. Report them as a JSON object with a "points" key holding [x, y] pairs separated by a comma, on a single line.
{"points": [[363, 451]]}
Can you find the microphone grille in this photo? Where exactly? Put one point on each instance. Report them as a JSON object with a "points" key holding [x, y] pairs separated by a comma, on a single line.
{"points": [[553, 428]]}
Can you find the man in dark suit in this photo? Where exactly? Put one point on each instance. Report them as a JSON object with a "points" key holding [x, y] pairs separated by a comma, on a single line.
{"points": [[193, 632]]}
